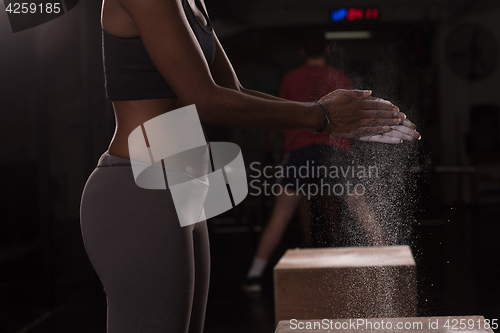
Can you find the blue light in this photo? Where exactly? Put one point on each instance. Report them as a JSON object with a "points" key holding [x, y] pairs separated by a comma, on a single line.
{"points": [[339, 14]]}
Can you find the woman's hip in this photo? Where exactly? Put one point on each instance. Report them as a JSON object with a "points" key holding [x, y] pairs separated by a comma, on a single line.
{"points": [[120, 219]]}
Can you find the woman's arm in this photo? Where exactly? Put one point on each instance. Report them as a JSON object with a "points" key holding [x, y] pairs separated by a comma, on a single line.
{"points": [[225, 76], [261, 95], [177, 55]]}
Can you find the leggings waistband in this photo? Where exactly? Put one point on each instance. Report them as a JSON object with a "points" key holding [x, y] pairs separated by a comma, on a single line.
{"points": [[108, 160]]}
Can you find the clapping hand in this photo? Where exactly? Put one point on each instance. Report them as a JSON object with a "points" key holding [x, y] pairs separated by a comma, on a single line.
{"points": [[396, 134], [356, 114]]}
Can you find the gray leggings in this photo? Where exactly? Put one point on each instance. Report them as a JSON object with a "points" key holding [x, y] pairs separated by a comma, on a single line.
{"points": [[155, 273]]}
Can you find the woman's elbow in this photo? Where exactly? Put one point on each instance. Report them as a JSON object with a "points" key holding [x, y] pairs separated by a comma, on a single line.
{"points": [[207, 102], [203, 98]]}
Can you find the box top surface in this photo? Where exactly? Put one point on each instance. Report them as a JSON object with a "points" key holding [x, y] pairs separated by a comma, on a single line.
{"points": [[346, 257], [474, 324]]}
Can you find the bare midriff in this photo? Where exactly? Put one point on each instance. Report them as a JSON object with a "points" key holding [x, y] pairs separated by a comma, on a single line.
{"points": [[131, 114]]}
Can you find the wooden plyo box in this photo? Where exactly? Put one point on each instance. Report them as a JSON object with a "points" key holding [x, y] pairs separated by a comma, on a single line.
{"points": [[351, 282], [476, 324]]}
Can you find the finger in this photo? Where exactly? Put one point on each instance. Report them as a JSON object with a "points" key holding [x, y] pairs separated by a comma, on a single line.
{"points": [[381, 114], [378, 122], [378, 104], [406, 130], [368, 137], [409, 124], [378, 99], [386, 102], [358, 94], [399, 135], [388, 139], [368, 131], [381, 138]]}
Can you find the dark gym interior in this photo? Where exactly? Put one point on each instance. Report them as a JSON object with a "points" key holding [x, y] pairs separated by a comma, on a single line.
{"points": [[57, 122]]}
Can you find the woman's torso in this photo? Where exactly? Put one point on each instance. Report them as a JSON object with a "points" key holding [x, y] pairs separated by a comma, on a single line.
{"points": [[131, 114]]}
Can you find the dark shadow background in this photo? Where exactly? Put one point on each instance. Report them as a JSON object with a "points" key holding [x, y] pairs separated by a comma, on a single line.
{"points": [[432, 58]]}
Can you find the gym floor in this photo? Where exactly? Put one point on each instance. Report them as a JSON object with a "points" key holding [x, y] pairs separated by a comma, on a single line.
{"points": [[452, 280]]}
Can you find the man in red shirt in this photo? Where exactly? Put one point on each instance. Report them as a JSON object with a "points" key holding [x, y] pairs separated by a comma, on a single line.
{"points": [[309, 83]]}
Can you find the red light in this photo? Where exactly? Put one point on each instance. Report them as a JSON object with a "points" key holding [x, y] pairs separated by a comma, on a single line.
{"points": [[368, 14], [371, 13], [353, 14]]}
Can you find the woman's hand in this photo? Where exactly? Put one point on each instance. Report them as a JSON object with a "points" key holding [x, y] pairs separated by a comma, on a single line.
{"points": [[355, 114], [396, 134]]}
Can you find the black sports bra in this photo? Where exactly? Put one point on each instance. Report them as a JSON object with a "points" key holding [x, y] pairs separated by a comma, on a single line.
{"points": [[128, 70]]}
